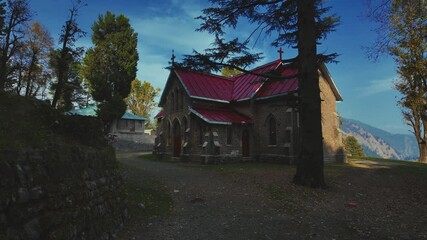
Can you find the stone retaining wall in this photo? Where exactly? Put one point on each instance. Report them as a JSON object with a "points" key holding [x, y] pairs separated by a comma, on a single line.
{"points": [[60, 192]]}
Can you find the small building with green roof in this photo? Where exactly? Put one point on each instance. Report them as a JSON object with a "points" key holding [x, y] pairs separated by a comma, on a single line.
{"points": [[129, 127]]}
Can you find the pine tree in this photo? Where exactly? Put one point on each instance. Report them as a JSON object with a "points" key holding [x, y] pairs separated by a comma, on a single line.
{"points": [[110, 66], [353, 147]]}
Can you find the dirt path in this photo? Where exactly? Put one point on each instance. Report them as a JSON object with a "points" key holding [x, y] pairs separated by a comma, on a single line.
{"points": [[210, 206], [365, 200]]}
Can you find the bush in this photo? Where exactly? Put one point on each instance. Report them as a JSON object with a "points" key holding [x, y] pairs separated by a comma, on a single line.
{"points": [[353, 148]]}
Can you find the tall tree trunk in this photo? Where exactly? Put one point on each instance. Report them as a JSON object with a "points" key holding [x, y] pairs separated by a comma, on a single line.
{"points": [[62, 69], [422, 144], [310, 162], [423, 152], [3, 65], [2, 75], [29, 77]]}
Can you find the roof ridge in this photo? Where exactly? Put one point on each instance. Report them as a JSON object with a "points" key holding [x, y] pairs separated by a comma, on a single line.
{"points": [[265, 65], [205, 73]]}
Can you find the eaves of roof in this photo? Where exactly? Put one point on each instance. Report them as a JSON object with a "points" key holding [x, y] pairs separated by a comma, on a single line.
{"points": [[223, 116], [325, 72]]}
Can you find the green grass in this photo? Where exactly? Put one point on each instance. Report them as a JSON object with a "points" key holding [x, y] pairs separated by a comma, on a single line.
{"points": [[398, 166], [154, 158], [155, 199], [151, 193]]}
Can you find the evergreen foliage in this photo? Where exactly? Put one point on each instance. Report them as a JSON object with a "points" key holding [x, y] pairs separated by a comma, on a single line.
{"points": [[110, 66], [353, 148], [278, 19]]}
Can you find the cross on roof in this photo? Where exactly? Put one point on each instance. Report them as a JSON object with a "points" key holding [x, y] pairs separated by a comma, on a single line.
{"points": [[173, 58], [280, 51]]}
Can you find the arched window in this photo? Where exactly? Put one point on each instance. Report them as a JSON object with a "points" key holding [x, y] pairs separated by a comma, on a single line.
{"points": [[272, 131]]}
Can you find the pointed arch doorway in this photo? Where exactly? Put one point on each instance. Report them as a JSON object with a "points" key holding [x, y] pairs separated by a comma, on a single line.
{"points": [[176, 139]]}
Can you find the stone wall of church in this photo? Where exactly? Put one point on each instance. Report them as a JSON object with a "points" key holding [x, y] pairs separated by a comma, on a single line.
{"points": [[333, 147], [285, 124]]}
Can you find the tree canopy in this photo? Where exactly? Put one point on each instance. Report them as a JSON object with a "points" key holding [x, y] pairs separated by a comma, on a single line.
{"points": [[32, 62], [141, 98], [14, 14], [64, 57], [353, 148], [110, 66], [277, 19]]}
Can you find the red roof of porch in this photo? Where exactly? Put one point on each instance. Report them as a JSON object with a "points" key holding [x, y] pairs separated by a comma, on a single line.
{"points": [[220, 115]]}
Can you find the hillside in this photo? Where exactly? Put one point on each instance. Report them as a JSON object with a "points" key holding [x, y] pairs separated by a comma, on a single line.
{"points": [[379, 143]]}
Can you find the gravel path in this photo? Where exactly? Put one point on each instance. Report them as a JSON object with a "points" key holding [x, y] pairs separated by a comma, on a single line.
{"points": [[209, 206], [365, 200]]}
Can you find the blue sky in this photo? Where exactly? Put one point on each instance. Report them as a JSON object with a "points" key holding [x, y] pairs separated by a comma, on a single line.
{"points": [[367, 87]]}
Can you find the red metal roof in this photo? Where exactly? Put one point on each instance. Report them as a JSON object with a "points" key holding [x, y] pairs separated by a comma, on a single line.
{"points": [[240, 87], [246, 85], [278, 87], [220, 115], [204, 85]]}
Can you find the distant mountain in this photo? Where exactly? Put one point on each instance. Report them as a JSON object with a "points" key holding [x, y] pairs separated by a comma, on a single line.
{"points": [[379, 143]]}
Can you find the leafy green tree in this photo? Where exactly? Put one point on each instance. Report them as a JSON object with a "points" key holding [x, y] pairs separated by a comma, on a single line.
{"points": [[67, 55], [353, 148], [291, 22], [141, 98], [110, 66], [229, 72], [16, 13], [403, 35]]}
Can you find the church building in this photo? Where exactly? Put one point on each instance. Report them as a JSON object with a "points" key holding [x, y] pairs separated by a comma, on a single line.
{"points": [[213, 119]]}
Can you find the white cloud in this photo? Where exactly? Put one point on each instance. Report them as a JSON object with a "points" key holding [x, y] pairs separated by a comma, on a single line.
{"points": [[172, 33], [158, 35], [377, 86]]}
